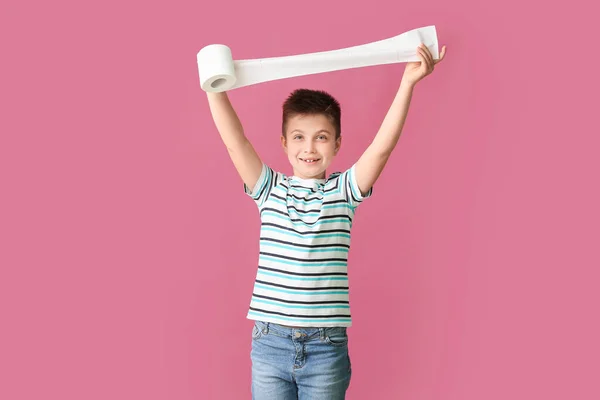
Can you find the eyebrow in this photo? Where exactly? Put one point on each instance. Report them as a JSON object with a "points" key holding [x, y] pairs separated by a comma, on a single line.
{"points": [[319, 131]]}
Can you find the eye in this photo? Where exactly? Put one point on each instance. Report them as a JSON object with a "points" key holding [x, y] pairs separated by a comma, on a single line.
{"points": [[322, 137], [296, 137]]}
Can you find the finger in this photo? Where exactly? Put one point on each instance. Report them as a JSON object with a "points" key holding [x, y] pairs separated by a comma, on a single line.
{"points": [[428, 54], [442, 54], [425, 58]]}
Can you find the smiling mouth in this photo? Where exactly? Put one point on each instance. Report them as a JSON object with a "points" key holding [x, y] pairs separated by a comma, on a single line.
{"points": [[310, 160]]}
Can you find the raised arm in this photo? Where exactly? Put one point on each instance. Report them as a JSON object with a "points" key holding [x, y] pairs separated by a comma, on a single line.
{"points": [[245, 159], [371, 163]]}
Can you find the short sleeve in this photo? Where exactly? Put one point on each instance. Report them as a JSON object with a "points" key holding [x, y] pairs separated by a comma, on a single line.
{"points": [[350, 188], [266, 182]]}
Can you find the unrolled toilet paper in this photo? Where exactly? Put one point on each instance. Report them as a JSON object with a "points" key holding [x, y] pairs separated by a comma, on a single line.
{"points": [[219, 72]]}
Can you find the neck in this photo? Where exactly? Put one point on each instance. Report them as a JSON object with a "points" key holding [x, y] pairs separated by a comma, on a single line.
{"points": [[301, 176]]}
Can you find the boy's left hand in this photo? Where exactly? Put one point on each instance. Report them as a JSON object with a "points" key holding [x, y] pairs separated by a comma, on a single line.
{"points": [[415, 71]]}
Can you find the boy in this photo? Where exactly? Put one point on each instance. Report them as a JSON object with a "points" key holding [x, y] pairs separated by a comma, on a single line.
{"points": [[300, 301]]}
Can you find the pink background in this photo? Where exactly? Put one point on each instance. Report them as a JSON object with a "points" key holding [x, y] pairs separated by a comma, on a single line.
{"points": [[474, 267]]}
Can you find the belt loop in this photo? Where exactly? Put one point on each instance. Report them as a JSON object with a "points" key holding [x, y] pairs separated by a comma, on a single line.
{"points": [[322, 333], [266, 330]]}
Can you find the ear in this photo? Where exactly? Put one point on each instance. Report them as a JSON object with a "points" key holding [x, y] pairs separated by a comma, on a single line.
{"points": [[284, 143], [338, 144]]}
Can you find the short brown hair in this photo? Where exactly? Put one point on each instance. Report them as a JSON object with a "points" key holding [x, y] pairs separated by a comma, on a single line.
{"points": [[312, 102]]}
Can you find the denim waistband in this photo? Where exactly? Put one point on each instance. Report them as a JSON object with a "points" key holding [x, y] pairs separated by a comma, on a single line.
{"points": [[287, 331]]}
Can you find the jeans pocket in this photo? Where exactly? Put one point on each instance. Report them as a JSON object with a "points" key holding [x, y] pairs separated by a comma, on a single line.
{"points": [[256, 332], [337, 337]]}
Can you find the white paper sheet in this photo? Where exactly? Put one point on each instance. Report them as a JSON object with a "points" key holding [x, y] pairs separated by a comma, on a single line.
{"points": [[219, 72]]}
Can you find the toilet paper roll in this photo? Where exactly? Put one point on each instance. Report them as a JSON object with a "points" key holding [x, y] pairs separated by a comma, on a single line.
{"points": [[219, 72]]}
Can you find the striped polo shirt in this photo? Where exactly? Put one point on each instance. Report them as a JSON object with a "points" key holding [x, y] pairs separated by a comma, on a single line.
{"points": [[302, 277]]}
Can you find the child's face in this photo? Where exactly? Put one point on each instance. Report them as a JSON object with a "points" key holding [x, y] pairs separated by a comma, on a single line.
{"points": [[310, 145]]}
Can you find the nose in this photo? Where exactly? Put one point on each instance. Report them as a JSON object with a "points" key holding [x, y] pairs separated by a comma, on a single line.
{"points": [[310, 147]]}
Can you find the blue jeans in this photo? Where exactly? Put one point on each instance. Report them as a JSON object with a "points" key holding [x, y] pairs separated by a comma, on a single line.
{"points": [[299, 363]]}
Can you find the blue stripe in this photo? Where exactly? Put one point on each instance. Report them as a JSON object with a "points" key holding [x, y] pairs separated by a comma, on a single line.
{"points": [[304, 264], [299, 292], [302, 249], [276, 200], [302, 278], [344, 205], [297, 306], [315, 321]]}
